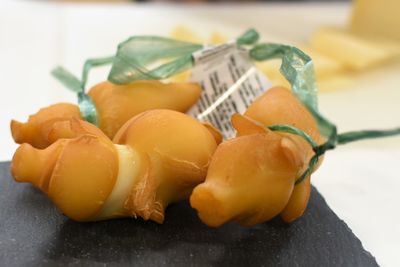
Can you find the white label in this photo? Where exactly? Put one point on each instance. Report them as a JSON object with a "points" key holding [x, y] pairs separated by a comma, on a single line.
{"points": [[230, 84]]}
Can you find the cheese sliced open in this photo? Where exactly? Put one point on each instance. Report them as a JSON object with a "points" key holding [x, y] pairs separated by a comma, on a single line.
{"points": [[129, 168]]}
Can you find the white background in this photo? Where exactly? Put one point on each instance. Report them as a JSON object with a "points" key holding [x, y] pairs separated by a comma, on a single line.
{"points": [[359, 181]]}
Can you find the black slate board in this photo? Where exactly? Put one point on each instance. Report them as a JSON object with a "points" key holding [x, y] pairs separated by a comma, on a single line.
{"points": [[33, 232]]}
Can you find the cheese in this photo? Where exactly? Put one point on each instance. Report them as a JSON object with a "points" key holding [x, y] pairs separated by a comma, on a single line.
{"points": [[354, 52], [270, 68], [334, 83], [217, 38], [325, 67], [129, 166], [184, 34], [377, 18]]}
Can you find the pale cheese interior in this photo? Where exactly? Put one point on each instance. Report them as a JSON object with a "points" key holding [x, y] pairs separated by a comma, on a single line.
{"points": [[129, 166]]}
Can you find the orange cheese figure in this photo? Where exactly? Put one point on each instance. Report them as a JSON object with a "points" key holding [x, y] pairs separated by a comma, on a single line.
{"points": [[115, 105], [156, 158], [251, 178]]}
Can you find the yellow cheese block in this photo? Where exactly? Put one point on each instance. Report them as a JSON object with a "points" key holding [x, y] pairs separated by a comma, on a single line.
{"points": [[329, 71], [217, 38], [325, 67], [270, 68], [336, 82], [184, 34], [325, 83], [377, 18], [354, 52]]}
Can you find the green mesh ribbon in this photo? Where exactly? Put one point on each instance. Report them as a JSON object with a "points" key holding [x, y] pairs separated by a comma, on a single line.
{"points": [[135, 60], [298, 69], [155, 58], [340, 139], [135, 56], [86, 105], [139, 58]]}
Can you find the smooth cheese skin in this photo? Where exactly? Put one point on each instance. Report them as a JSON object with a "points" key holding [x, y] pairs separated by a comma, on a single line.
{"points": [[177, 150], [325, 67], [115, 105], [251, 178], [160, 156], [36, 130], [77, 174], [376, 19], [279, 106]]}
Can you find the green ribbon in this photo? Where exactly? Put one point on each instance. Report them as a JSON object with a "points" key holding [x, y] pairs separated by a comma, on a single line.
{"points": [[135, 55], [340, 139], [155, 58], [86, 105], [298, 69], [133, 61], [139, 57]]}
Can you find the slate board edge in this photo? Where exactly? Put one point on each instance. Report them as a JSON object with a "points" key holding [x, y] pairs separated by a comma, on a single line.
{"points": [[4, 171]]}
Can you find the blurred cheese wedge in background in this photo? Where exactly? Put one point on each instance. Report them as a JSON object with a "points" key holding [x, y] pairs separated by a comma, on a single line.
{"points": [[338, 54], [325, 66], [329, 78], [217, 38], [327, 69], [329, 72], [271, 69], [353, 51], [184, 34], [371, 40], [376, 19]]}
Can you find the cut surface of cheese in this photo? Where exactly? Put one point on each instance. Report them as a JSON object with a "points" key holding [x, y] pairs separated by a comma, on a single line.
{"points": [[129, 166]]}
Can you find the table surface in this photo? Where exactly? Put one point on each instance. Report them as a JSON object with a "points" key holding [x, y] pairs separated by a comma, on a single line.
{"points": [[38, 234], [359, 181]]}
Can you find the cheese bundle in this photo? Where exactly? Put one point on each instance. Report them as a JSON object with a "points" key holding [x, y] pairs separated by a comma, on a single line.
{"points": [[156, 158], [115, 105], [251, 178]]}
